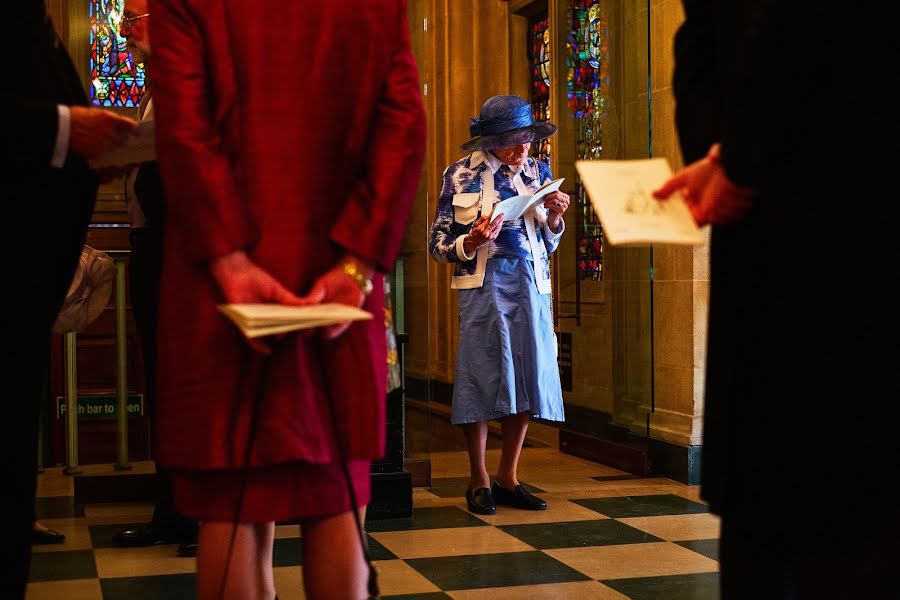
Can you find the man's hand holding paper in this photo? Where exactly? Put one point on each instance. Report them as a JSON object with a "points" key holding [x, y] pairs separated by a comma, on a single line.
{"points": [[133, 147], [96, 132], [705, 187]]}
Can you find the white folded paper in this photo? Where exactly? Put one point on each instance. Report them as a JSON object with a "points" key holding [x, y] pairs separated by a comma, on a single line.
{"points": [[621, 192], [256, 320], [140, 147], [513, 208]]}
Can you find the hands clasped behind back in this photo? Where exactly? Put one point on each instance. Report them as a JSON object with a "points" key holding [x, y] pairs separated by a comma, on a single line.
{"points": [[242, 281]]}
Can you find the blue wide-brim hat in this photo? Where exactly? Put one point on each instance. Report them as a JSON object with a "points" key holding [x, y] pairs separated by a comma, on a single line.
{"points": [[505, 121]]}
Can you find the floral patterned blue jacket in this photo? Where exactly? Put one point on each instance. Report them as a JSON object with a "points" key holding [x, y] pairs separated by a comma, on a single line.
{"points": [[467, 186]]}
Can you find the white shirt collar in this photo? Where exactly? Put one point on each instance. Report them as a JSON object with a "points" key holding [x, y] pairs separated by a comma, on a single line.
{"points": [[484, 156]]}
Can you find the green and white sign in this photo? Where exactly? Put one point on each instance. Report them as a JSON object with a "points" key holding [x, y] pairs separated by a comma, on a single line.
{"points": [[101, 406]]}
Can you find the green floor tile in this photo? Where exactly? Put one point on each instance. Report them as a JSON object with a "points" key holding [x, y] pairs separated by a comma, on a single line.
{"points": [[602, 532], [708, 548], [428, 518], [494, 570], [56, 566], [57, 507], [154, 587], [288, 552], [643, 506], [379, 552], [700, 586], [102, 535]]}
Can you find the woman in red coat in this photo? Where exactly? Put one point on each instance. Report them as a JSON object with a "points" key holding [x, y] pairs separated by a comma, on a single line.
{"points": [[291, 155]]}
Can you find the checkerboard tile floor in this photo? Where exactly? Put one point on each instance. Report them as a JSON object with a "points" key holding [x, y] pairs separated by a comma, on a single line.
{"points": [[605, 535]]}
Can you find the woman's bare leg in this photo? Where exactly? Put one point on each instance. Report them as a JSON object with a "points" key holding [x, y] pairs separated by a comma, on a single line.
{"points": [[244, 579], [333, 562], [265, 542], [476, 442], [513, 429]]}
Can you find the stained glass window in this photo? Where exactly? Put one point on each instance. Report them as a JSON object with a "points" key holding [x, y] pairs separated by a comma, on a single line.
{"points": [[115, 78], [539, 55], [587, 90]]}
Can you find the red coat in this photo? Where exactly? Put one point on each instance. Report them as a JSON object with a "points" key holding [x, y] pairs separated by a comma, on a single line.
{"points": [[295, 131]]}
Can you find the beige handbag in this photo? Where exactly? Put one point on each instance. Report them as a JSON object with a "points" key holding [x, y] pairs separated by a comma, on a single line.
{"points": [[89, 292]]}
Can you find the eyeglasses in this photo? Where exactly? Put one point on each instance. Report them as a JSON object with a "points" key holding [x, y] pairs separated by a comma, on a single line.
{"points": [[129, 21]]}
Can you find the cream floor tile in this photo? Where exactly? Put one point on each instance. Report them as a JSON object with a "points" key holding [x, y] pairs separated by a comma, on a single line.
{"points": [[456, 463], [53, 482], [135, 562], [558, 474], [120, 519], [558, 510], [289, 583], [578, 485], [421, 494], [634, 560], [395, 577], [691, 492], [586, 590], [135, 511], [562, 463], [651, 482], [676, 528], [137, 466], [615, 489], [78, 536], [71, 589], [287, 531], [438, 501], [456, 541], [553, 457]]}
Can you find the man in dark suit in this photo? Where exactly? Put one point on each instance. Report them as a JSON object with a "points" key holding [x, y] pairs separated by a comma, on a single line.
{"points": [[782, 118], [47, 134], [145, 203]]}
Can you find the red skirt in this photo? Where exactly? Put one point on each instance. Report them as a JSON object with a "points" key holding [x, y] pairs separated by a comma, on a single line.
{"points": [[285, 492]]}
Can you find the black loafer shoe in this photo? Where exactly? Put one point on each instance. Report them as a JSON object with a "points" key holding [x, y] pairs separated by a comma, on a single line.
{"points": [[47, 536], [517, 498], [481, 501], [186, 550], [144, 535]]}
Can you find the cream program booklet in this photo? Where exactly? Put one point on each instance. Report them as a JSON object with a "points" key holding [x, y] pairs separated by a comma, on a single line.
{"points": [[621, 192], [256, 320]]}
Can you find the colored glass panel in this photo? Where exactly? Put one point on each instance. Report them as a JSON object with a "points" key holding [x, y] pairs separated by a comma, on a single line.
{"points": [[539, 55], [115, 78], [587, 91]]}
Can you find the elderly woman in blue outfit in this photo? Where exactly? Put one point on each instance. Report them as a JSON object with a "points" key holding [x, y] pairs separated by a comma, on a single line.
{"points": [[506, 364]]}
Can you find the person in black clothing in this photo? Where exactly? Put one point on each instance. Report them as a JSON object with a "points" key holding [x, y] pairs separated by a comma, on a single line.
{"points": [[145, 204], [47, 134], [790, 142]]}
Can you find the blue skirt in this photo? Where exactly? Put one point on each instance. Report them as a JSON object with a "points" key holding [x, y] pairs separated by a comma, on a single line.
{"points": [[507, 349]]}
